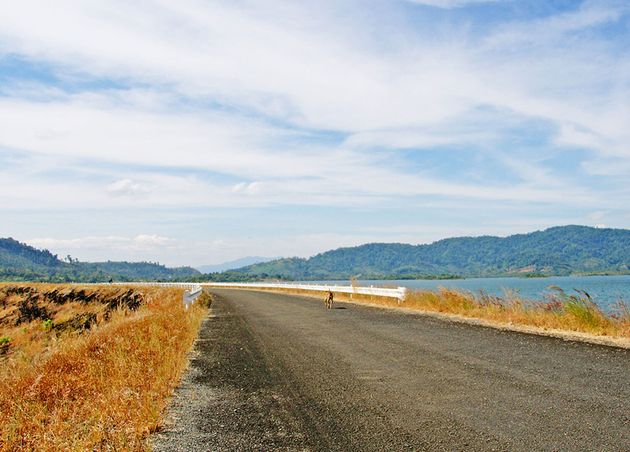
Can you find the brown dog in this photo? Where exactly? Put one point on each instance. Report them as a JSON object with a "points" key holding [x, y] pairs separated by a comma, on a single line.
{"points": [[329, 300]]}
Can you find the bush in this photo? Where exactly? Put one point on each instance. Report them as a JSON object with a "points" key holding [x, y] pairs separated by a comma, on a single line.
{"points": [[5, 343], [582, 308], [204, 300], [47, 324]]}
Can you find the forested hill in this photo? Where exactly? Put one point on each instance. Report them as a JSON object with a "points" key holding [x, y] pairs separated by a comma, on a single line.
{"points": [[21, 262], [559, 250]]}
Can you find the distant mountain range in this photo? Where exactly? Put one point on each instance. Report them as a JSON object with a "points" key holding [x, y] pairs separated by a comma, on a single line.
{"points": [[21, 262], [562, 250], [238, 263]]}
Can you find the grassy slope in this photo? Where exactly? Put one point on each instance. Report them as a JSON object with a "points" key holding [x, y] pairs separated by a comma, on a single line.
{"points": [[105, 387]]}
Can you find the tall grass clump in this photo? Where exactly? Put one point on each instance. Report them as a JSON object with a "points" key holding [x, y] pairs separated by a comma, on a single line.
{"points": [[561, 311], [103, 388], [582, 309]]}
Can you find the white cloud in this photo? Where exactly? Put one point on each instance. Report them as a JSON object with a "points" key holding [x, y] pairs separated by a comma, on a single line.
{"points": [[615, 167], [597, 215], [126, 187], [336, 81], [248, 188], [210, 141], [453, 3], [151, 240], [414, 139], [589, 14], [284, 72], [569, 135], [147, 247], [332, 82], [139, 242]]}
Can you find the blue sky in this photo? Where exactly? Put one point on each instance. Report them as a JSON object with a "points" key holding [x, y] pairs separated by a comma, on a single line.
{"points": [[195, 132]]}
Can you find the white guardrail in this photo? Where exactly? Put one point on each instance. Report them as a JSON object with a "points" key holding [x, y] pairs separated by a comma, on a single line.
{"points": [[398, 293], [193, 290]]}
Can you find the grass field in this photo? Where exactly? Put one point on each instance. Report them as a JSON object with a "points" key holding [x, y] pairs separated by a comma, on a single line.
{"points": [[89, 368]]}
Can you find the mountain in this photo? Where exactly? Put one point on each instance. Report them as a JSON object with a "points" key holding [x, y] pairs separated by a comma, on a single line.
{"points": [[561, 250], [238, 263], [21, 262], [16, 255]]}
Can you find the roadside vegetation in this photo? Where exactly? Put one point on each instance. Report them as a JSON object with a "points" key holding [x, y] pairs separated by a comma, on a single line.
{"points": [[574, 312], [87, 368]]}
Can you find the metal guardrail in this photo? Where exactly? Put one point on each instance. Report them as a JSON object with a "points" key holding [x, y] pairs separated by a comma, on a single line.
{"points": [[398, 293], [194, 288], [191, 295]]}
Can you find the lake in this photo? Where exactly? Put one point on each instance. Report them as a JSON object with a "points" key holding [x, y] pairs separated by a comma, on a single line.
{"points": [[605, 290]]}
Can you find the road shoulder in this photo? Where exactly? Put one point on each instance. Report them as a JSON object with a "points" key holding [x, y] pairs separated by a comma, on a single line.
{"points": [[230, 398]]}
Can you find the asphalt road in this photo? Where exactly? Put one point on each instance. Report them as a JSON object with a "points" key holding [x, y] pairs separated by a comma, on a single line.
{"points": [[280, 372]]}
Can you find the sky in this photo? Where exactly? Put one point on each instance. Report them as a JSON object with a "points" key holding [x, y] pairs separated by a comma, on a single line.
{"points": [[194, 132]]}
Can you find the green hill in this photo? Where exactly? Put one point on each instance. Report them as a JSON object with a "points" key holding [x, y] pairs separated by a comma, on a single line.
{"points": [[559, 250], [21, 262]]}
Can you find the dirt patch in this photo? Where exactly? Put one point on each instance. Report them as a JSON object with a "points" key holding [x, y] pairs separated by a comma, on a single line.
{"points": [[25, 304], [30, 309], [78, 322]]}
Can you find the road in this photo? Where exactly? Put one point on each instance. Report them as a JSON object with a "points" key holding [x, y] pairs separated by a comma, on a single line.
{"points": [[279, 372]]}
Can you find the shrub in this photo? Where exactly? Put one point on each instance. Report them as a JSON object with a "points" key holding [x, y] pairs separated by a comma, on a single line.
{"points": [[204, 300], [47, 324], [582, 308], [5, 343]]}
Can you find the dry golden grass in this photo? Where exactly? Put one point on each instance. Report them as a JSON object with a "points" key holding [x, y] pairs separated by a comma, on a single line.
{"points": [[575, 313], [104, 388], [564, 312]]}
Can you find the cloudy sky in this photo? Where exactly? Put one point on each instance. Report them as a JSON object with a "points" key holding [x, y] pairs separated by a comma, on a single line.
{"points": [[197, 131]]}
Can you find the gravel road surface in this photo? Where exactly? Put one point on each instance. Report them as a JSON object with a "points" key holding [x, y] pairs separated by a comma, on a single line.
{"points": [[280, 372]]}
